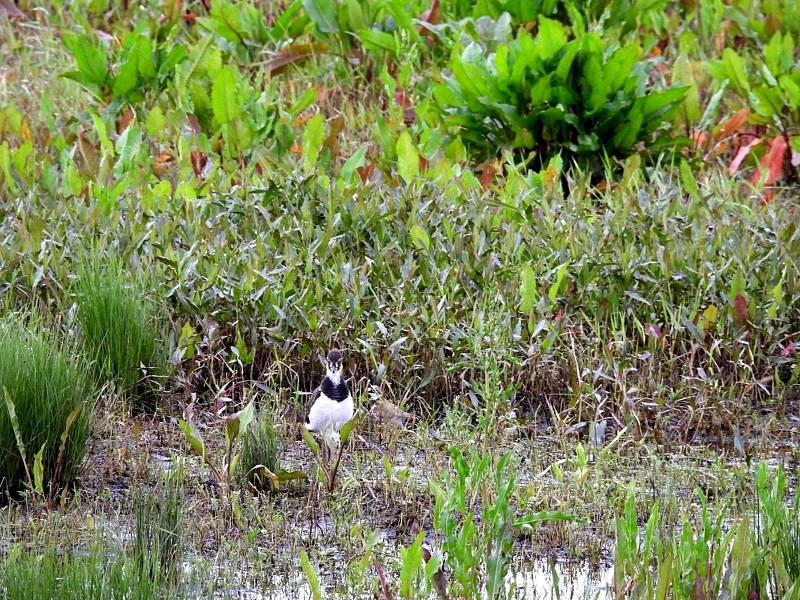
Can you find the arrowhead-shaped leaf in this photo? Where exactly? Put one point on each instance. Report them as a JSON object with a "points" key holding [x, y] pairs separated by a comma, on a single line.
{"points": [[193, 437]]}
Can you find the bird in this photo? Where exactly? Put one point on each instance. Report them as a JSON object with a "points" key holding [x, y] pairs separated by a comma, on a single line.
{"points": [[331, 403]]}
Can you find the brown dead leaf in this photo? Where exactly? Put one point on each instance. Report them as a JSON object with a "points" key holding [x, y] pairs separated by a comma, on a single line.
{"points": [[332, 140], [433, 15], [292, 54], [698, 593], [163, 163], [719, 41], [124, 119], [365, 172], [699, 139], [199, 161], [489, 170]]}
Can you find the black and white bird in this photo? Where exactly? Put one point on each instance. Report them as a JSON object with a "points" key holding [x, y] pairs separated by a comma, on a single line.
{"points": [[331, 403]]}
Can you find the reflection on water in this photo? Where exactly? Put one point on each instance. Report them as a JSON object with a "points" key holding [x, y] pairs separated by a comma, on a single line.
{"points": [[549, 580], [540, 580]]}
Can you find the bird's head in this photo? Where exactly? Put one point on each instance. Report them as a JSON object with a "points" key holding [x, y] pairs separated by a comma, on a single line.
{"points": [[333, 366]]}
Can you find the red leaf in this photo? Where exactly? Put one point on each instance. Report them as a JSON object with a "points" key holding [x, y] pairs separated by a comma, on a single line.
{"points": [[740, 313], [489, 171], [772, 160], [741, 155], [733, 124], [433, 15], [10, 10]]}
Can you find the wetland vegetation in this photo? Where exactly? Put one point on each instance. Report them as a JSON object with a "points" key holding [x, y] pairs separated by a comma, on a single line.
{"points": [[555, 240]]}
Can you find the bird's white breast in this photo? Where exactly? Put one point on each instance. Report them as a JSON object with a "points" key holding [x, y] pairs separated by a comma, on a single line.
{"points": [[329, 414]]}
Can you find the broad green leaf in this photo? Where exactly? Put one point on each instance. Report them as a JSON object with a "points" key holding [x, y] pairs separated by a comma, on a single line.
{"points": [[347, 429], [419, 237], [38, 470], [91, 59], [310, 441], [226, 100], [311, 575], [236, 424], [377, 41], [323, 13], [528, 292], [556, 287], [619, 66], [738, 286], [71, 418], [550, 38], [688, 181], [144, 57], [736, 70], [306, 100], [126, 79], [12, 416], [127, 148], [313, 137], [283, 475], [407, 157], [402, 17], [5, 167], [193, 437], [357, 160], [682, 74], [410, 565], [777, 299], [156, 122], [548, 515]]}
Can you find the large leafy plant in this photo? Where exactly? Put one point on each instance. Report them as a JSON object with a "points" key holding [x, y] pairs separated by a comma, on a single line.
{"points": [[143, 64], [549, 94]]}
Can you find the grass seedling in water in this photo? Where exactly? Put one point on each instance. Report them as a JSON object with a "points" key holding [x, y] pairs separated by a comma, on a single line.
{"points": [[479, 551], [329, 469], [28, 575], [739, 559], [235, 426], [157, 541]]}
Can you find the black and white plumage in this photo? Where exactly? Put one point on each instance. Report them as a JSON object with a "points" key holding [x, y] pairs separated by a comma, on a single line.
{"points": [[332, 403]]}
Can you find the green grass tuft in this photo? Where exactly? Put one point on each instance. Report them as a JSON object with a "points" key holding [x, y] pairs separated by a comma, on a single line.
{"points": [[260, 448], [52, 396], [157, 541], [25, 575], [120, 331]]}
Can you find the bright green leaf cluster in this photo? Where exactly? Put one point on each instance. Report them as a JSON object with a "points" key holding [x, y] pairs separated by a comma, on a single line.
{"points": [[549, 94]]}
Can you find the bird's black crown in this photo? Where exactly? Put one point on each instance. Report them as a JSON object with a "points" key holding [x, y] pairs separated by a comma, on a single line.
{"points": [[334, 357]]}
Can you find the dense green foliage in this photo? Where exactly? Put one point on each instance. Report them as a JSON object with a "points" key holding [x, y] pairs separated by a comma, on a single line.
{"points": [[561, 233]]}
